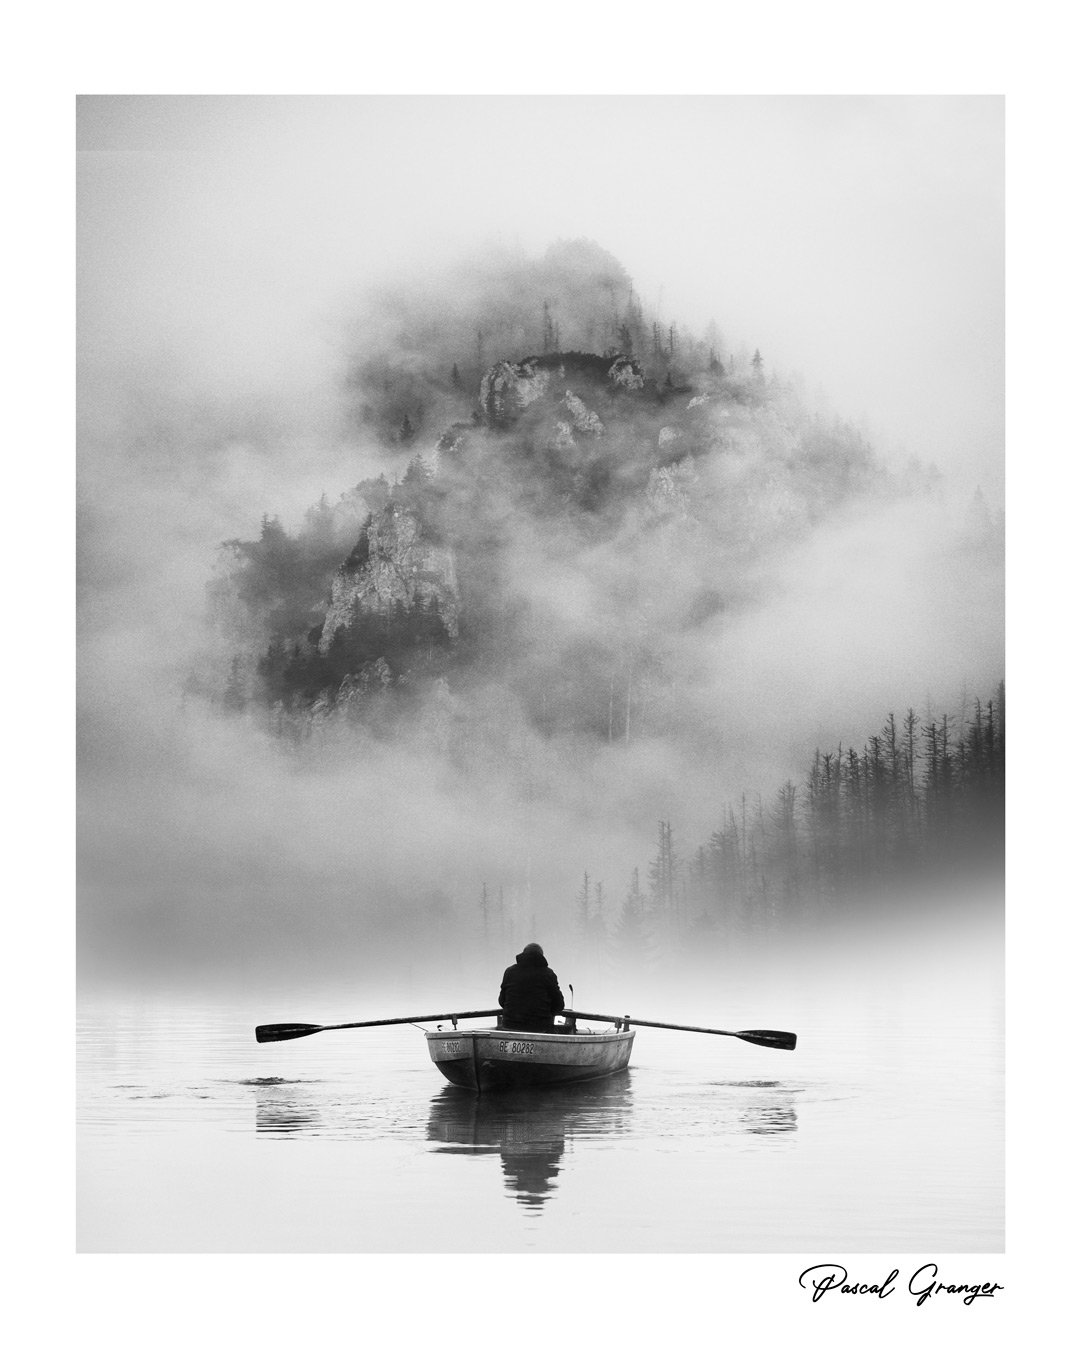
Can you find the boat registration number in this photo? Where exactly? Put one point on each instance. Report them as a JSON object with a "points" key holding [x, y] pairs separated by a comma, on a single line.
{"points": [[518, 1048], [449, 1049]]}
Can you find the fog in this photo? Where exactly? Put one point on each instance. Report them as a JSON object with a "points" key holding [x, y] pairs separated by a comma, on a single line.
{"points": [[236, 255], [857, 240]]}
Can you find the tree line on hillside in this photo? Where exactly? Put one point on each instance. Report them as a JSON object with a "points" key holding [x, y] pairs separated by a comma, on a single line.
{"points": [[921, 803]]}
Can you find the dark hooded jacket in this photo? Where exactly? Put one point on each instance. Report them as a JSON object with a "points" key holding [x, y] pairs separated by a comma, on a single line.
{"points": [[530, 995]]}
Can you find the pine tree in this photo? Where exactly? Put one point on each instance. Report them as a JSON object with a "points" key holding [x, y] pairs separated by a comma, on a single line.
{"points": [[597, 923], [272, 671], [662, 876], [911, 754], [631, 933], [996, 757], [856, 774], [233, 699], [549, 330], [786, 844], [583, 911], [484, 911], [946, 776], [931, 779], [823, 800]]}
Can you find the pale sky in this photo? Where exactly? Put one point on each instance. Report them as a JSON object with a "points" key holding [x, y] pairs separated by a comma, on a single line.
{"points": [[858, 241]]}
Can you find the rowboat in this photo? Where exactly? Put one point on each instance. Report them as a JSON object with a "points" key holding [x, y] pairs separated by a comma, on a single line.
{"points": [[493, 1059]]}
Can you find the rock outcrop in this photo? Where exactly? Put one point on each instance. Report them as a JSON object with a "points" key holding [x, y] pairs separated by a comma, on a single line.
{"points": [[394, 562], [508, 389]]}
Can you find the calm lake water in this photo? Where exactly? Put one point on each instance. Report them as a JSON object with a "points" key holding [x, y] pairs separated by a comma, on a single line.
{"points": [[882, 1132]]}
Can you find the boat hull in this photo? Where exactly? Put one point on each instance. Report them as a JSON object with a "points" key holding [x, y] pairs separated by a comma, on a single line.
{"points": [[493, 1060]]}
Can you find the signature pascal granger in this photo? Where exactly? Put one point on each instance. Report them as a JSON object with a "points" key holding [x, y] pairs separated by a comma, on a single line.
{"points": [[923, 1285]]}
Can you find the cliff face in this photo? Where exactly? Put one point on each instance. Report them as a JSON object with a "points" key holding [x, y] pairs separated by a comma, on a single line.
{"points": [[507, 390], [551, 399], [562, 432], [395, 562]]}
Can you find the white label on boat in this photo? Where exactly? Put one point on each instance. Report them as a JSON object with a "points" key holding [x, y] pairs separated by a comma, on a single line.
{"points": [[450, 1048], [518, 1048]]}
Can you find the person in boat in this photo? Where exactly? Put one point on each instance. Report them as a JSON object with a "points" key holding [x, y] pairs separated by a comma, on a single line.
{"points": [[530, 995]]}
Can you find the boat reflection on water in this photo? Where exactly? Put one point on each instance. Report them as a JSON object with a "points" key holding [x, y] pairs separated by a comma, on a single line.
{"points": [[283, 1107], [530, 1130], [770, 1108]]}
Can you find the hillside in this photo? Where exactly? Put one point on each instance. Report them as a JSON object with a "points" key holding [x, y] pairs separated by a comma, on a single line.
{"points": [[560, 536]]}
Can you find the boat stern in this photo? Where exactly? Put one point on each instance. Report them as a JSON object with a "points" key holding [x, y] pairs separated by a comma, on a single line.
{"points": [[494, 1059]]}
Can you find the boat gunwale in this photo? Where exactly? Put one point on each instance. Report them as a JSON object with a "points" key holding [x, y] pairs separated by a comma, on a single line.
{"points": [[548, 1037]]}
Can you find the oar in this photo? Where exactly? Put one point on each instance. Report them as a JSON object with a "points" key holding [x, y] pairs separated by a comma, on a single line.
{"points": [[291, 1031], [772, 1040]]}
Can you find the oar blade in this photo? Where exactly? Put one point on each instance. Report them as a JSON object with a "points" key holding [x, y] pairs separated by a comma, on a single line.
{"points": [[772, 1040], [285, 1031]]}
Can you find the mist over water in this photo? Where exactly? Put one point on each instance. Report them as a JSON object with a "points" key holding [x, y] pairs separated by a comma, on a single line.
{"points": [[880, 1132]]}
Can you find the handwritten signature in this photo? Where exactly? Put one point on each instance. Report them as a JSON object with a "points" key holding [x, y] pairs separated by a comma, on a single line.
{"points": [[923, 1285]]}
